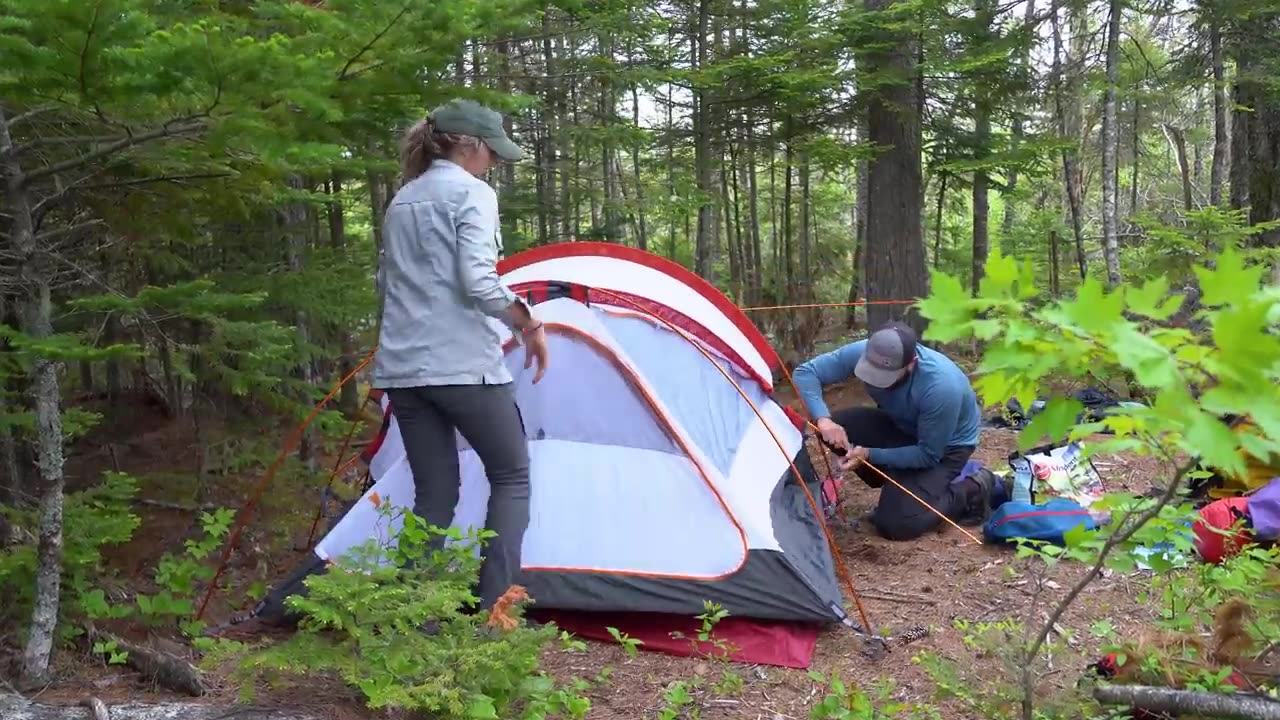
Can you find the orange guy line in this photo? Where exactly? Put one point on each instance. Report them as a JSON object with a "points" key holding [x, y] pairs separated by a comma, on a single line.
{"points": [[859, 303], [242, 518]]}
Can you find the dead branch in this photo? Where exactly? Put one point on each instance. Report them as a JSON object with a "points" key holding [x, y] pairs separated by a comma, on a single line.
{"points": [[1112, 542], [1206, 704], [180, 507], [167, 670], [25, 116], [71, 230], [174, 128], [15, 707], [97, 707], [897, 597]]}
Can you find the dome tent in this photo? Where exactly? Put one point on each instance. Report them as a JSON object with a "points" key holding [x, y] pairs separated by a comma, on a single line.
{"points": [[663, 474]]}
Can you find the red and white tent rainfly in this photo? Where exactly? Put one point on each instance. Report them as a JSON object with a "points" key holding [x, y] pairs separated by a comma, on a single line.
{"points": [[655, 485]]}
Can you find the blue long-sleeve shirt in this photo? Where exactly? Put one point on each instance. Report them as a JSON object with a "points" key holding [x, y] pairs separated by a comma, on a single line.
{"points": [[936, 404]]}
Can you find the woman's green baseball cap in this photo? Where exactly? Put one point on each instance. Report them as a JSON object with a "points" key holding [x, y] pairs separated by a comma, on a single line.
{"points": [[468, 117]]}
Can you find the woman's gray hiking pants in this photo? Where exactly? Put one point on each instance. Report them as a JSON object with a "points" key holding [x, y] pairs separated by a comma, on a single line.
{"points": [[488, 418]]}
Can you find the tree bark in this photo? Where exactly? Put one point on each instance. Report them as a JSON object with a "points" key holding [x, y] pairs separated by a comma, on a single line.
{"points": [[36, 311], [1240, 132], [642, 235], [1006, 223], [349, 400], [1205, 704], [293, 223], [1068, 129], [13, 707], [705, 243], [753, 210], [1178, 142], [11, 475], [937, 223], [1221, 145], [548, 226], [1110, 146], [895, 257], [166, 670], [857, 286]]}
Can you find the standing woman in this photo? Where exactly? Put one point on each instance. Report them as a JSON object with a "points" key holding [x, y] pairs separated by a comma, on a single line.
{"points": [[438, 359]]}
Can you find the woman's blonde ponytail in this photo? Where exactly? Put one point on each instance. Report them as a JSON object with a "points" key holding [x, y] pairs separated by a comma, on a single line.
{"points": [[422, 144], [415, 150]]}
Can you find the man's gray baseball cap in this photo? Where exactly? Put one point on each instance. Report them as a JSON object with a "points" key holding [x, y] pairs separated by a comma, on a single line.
{"points": [[468, 117], [886, 355]]}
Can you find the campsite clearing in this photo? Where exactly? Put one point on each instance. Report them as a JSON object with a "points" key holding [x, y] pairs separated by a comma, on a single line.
{"points": [[941, 579]]}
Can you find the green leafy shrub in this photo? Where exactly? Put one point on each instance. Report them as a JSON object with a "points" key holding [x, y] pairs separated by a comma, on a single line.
{"points": [[389, 621], [93, 520], [1191, 381]]}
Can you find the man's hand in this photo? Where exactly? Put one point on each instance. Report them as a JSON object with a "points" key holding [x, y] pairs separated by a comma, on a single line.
{"points": [[535, 348], [833, 433], [855, 457]]}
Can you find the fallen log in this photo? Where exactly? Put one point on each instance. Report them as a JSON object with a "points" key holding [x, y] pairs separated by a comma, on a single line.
{"points": [[1169, 700], [16, 707], [168, 671]]}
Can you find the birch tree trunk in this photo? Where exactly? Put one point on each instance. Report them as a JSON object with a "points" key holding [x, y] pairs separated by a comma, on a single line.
{"points": [[1069, 129], [1110, 144], [36, 313]]}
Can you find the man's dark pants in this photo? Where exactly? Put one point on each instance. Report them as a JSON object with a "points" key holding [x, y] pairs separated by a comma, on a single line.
{"points": [[898, 516], [488, 418]]}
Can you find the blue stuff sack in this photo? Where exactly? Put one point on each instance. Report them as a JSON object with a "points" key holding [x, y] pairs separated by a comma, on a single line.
{"points": [[1047, 522]]}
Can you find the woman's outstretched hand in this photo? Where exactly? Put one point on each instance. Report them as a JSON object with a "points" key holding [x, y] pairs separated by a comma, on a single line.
{"points": [[535, 348]]}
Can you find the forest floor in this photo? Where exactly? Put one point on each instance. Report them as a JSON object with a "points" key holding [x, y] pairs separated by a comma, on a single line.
{"points": [[950, 578]]}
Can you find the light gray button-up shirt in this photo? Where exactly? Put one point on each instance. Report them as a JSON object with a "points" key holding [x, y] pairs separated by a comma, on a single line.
{"points": [[438, 279]]}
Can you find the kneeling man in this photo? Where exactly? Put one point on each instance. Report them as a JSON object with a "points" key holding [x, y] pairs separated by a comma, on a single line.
{"points": [[921, 432]]}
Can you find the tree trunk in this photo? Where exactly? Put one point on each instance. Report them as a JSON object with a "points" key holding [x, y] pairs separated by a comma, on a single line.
{"points": [[1068, 129], [727, 208], [753, 209], [981, 215], [349, 400], [705, 243], [895, 258], [806, 227], [1137, 155], [550, 163], [1178, 142], [642, 238], [1264, 166], [36, 311], [858, 285], [1010, 211], [1110, 233], [788, 228], [293, 224], [671, 170], [1054, 272], [1189, 702], [13, 707], [1221, 148], [1240, 133], [937, 223]]}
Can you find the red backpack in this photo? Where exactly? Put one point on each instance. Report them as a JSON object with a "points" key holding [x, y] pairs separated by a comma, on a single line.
{"points": [[1224, 527]]}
